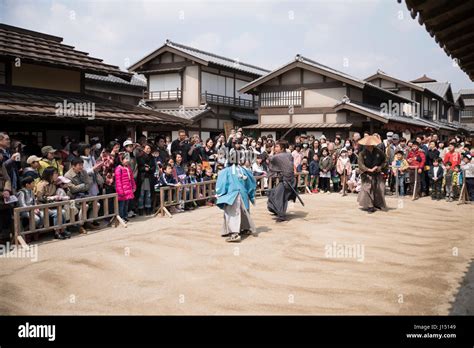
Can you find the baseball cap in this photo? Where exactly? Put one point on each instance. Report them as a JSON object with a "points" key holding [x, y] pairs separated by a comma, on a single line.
{"points": [[32, 159], [47, 149], [127, 142]]}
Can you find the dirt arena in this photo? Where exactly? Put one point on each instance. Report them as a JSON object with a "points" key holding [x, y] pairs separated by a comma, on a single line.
{"points": [[414, 259]]}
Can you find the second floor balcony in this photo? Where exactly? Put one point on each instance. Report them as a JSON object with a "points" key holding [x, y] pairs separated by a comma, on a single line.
{"points": [[209, 98], [466, 113], [170, 95], [427, 114]]}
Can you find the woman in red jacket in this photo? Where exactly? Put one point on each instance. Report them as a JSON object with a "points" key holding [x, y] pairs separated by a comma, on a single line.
{"points": [[124, 185]]}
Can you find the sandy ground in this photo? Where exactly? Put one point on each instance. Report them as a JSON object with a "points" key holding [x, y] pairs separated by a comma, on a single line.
{"points": [[182, 265]]}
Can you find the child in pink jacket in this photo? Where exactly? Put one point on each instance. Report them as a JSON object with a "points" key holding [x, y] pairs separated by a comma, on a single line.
{"points": [[124, 185]]}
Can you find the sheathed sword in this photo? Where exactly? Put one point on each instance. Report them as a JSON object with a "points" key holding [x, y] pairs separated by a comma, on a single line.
{"points": [[282, 178], [294, 190]]}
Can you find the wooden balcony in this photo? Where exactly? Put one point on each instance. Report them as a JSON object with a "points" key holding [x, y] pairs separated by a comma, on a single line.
{"points": [[466, 113], [216, 99], [171, 95], [427, 114]]}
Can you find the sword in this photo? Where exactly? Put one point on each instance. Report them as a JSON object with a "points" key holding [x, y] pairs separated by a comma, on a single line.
{"points": [[294, 191]]}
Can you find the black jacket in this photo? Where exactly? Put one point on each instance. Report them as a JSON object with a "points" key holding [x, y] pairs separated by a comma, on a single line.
{"points": [[143, 162]]}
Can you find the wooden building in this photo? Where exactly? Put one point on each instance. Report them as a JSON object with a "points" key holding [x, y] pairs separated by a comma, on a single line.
{"points": [[200, 87], [43, 93], [304, 96], [465, 99], [115, 88], [437, 106]]}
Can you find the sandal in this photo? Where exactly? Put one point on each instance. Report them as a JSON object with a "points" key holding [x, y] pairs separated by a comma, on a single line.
{"points": [[234, 238]]}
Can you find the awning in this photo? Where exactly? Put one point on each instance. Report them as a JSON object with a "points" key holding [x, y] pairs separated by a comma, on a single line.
{"points": [[299, 126], [243, 116], [189, 114], [36, 104]]}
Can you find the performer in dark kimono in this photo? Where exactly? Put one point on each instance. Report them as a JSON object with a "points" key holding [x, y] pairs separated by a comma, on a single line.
{"points": [[281, 166], [372, 161]]}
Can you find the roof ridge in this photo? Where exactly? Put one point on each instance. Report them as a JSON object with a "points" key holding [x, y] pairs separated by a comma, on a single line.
{"points": [[328, 67], [212, 54]]}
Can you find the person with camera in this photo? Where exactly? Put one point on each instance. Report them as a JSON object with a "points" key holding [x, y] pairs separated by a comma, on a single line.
{"points": [[181, 145], [195, 151]]}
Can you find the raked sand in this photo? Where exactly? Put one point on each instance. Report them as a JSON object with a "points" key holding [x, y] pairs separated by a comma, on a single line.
{"points": [[409, 265]]}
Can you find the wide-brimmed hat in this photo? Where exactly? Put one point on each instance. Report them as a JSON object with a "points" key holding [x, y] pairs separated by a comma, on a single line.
{"points": [[369, 140]]}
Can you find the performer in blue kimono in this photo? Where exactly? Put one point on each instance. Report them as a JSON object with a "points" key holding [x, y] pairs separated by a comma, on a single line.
{"points": [[235, 190]]}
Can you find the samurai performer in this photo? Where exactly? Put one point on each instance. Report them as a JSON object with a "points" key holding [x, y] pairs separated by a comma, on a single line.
{"points": [[235, 189], [372, 161], [281, 166]]}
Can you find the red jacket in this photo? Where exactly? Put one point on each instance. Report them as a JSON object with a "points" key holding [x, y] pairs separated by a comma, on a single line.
{"points": [[416, 159], [124, 183], [453, 157]]}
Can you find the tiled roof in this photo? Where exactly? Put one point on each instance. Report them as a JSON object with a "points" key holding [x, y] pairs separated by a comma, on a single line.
{"points": [[26, 102], [466, 91], [219, 60], [423, 79], [203, 57], [332, 72], [383, 74], [240, 116], [468, 102], [299, 125], [438, 88], [31, 46], [186, 113], [136, 81], [378, 114]]}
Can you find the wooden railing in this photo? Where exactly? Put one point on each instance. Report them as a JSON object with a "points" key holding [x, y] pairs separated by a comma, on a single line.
{"points": [[224, 100], [302, 182], [67, 206], [427, 114], [175, 195], [466, 113], [174, 94]]}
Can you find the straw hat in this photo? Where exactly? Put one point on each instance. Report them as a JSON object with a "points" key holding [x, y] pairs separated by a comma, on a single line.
{"points": [[369, 140]]}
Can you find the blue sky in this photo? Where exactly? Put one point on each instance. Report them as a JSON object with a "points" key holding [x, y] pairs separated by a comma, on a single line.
{"points": [[354, 36]]}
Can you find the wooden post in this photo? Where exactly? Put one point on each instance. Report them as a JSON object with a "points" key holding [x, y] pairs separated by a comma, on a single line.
{"points": [[95, 208], [60, 214], [32, 220], [84, 211], [116, 206], [23, 243], [16, 226], [46, 217], [106, 206]]}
